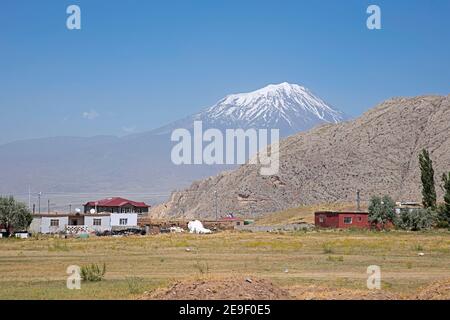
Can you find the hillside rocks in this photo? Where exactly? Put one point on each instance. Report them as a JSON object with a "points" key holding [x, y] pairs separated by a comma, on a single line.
{"points": [[376, 153]]}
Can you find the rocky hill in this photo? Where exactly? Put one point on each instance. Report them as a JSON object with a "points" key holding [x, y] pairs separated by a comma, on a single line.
{"points": [[376, 153]]}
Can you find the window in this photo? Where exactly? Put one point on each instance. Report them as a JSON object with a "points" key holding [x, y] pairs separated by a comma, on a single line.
{"points": [[54, 223], [123, 222], [97, 222], [348, 220], [321, 219]]}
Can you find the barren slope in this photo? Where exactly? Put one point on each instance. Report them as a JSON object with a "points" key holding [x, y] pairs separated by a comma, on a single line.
{"points": [[376, 153]]}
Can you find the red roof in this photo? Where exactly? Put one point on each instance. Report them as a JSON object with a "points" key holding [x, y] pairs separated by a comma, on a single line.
{"points": [[341, 212], [116, 202]]}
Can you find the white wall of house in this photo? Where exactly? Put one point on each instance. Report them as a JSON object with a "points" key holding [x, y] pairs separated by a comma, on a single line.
{"points": [[105, 223], [46, 224], [123, 219]]}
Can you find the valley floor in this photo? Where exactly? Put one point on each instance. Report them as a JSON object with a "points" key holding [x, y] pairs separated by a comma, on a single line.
{"points": [[313, 265]]}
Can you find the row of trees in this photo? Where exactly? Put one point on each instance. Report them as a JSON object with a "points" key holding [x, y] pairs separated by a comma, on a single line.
{"points": [[382, 209]]}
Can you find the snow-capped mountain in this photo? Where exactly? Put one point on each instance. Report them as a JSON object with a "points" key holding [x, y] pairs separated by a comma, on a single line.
{"points": [[141, 163], [288, 107]]}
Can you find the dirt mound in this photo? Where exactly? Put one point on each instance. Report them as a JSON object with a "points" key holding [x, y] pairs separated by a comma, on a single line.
{"points": [[261, 289], [223, 289], [324, 293], [439, 290]]}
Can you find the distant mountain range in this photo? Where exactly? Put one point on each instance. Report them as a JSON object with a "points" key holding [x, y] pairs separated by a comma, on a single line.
{"points": [[376, 153], [139, 165]]}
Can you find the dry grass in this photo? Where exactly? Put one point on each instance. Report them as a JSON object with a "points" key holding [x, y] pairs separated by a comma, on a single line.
{"points": [[36, 269]]}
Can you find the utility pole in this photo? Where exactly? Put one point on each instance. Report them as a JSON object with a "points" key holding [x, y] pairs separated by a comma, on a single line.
{"points": [[39, 202], [358, 200], [70, 208], [48, 206]]}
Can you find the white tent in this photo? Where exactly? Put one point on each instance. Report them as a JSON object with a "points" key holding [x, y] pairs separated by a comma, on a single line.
{"points": [[197, 227]]}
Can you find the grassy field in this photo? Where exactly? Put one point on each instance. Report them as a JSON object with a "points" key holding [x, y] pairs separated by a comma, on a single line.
{"points": [[36, 268]]}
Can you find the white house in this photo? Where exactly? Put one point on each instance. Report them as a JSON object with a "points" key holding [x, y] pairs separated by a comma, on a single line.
{"points": [[49, 223], [123, 220], [82, 223]]}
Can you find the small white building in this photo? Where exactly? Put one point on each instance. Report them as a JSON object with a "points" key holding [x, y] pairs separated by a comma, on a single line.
{"points": [[49, 223], [82, 223]]}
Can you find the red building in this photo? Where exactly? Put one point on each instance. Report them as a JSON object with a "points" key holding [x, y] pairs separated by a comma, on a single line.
{"points": [[342, 220]]}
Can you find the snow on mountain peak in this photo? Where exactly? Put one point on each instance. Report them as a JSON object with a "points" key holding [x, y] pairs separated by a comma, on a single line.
{"points": [[289, 107], [269, 91]]}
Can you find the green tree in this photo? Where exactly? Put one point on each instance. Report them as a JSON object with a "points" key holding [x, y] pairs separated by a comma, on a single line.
{"points": [[14, 215], [445, 209], [427, 177], [382, 211], [417, 219]]}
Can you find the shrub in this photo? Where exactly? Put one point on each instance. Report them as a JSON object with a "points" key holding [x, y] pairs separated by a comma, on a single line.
{"points": [[203, 268], [93, 272], [418, 219], [58, 246], [135, 285], [443, 219], [335, 258], [327, 249]]}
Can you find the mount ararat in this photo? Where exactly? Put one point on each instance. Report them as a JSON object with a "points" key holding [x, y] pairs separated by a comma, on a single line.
{"points": [[73, 169]]}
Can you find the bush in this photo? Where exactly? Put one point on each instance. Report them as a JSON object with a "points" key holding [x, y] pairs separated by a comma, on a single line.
{"points": [[93, 272], [443, 220], [418, 219], [58, 246], [327, 249], [381, 211], [335, 258], [203, 268], [135, 285]]}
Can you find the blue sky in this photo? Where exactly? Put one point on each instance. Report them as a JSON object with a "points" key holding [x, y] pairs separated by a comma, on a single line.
{"points": [[137, 65]]}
